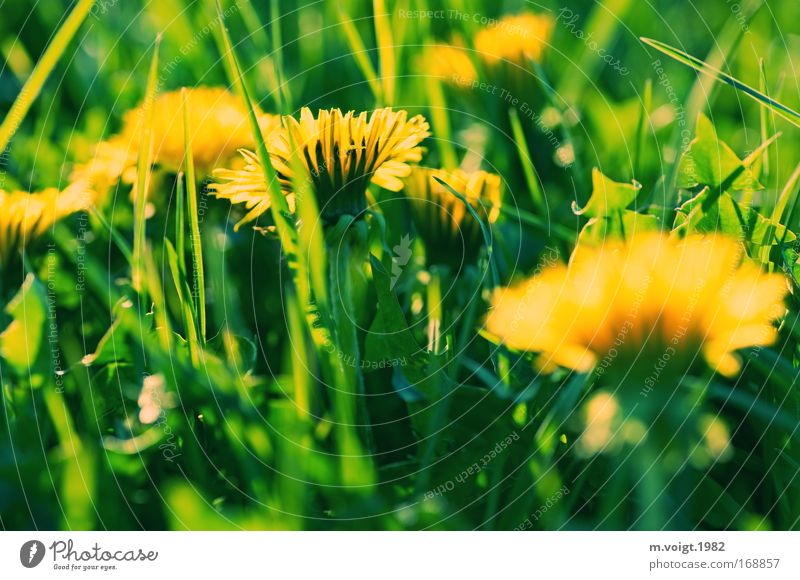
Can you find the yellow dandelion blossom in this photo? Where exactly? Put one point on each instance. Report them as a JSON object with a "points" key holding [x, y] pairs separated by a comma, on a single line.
{"points": [[218, 124], [443, 220], [653, 298], [26, 216], [452, 63], [340, 154], [515, 38]]}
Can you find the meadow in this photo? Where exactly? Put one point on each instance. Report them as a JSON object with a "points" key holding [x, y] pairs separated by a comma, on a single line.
{"points": [[399, 265]]}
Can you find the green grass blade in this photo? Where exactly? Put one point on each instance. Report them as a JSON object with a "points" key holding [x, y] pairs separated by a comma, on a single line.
{"points": [[386, 56], [707, 69], [284, 94], [184, 293], [143, 173], [180, 220], [641, 128], [602, 26], [199, 293], [441, 123], [278, 205], [487, 234], [33, 86], [531, 179], [360, 54], [116, 237]]}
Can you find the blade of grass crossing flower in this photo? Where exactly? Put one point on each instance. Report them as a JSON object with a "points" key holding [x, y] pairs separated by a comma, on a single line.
{"points": [[487, 234], [360, 54], [386, 56], [278, 205], [143, 173], [531, 178], [199, 283], [33, 86]]}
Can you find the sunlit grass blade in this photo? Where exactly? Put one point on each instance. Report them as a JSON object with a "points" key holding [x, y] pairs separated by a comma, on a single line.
{"points": [[277, 57], [256, 31], [278, 205], [180, 220], [440, 121], [386, 56], [184, 298], [143, 174], [156, 291], [707, 69], [531, 179], [641, 127], [199, 282], [33, 86], [766, 121], [360, 54]]}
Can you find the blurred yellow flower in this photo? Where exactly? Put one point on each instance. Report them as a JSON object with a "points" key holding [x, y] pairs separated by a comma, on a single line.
{"points": [[443, 220], [452, 63], [340, 155], [218, 126], [25, 216], [651, 301], [514, 38]]}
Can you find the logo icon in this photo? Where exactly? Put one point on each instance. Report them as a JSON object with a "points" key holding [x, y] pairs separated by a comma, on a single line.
{"points": [[31, 553], [402, 254]]}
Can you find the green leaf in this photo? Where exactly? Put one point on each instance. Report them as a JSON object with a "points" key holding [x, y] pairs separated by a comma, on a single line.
{"points": [[608, 196], [392, 331], [621, 225], [21, 341], [708, 213], [709, 161]]}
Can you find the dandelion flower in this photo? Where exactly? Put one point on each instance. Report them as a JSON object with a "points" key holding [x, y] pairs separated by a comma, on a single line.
{"points": [[26, 216], [652, 298], [452, 63], [443, 220], [340, 155], [516, 38], [218, 126]]}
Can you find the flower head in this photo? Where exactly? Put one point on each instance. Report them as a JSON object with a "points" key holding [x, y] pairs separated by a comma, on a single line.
{"points": [[218, 127], [451, 62], [629, 303], [516, 38], [443, 220], [25, 216], [340, 154]]}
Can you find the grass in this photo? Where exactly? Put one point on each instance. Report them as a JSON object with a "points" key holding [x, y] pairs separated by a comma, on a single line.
{"points": [[305, 374]]}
